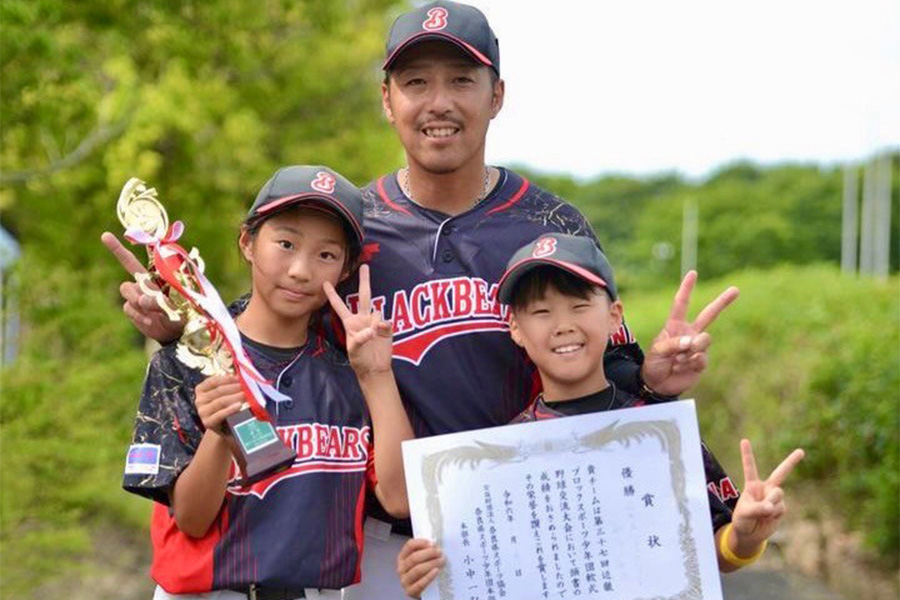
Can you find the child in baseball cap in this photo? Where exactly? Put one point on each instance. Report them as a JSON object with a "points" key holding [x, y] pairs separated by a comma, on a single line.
{"points": [[563, 307], [295, 533]]}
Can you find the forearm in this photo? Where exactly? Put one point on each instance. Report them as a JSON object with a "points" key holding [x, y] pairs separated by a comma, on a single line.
{"points": [[391, 426], [200, 489]]}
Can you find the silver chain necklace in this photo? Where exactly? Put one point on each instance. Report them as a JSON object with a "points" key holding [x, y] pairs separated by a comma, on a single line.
{"points": [[404, 185]]}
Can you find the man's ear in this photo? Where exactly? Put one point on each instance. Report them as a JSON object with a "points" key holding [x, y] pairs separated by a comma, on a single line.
{"points": [[386, 100], [246, 244], [514, 330], [497, 97]]}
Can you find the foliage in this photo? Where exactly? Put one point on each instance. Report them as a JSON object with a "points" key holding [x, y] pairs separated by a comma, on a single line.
{"points": [[806, 358], [203, 100]]}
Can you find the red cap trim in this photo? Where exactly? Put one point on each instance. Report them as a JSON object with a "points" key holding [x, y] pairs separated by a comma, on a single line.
{"points": [[566, 266], [332, 201], [442, 34]]}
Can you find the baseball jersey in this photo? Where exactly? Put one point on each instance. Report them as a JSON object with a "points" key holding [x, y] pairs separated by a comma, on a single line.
{"points": [[435, 277], [723, 494], [300, 528]]}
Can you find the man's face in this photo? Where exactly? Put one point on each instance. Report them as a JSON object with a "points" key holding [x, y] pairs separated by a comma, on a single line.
{"points": [[440, 102]]}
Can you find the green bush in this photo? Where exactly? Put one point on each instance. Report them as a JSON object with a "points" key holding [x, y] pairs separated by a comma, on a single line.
{"points": [[806, 358]]}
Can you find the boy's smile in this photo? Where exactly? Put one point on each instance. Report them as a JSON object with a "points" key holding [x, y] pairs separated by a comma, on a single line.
{"points": [[566, 336]]}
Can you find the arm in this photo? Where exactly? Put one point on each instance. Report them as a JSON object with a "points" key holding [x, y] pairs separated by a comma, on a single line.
{"points": [[757, 514], [369, 346], [199, 491]]}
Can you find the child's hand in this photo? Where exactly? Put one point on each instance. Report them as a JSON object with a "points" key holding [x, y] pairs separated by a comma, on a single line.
{"points": [[217, 398], [417, 565], [761, 505], [368, 336]]}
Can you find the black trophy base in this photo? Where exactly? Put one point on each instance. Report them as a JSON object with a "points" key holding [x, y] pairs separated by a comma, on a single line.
{"points": [[257, 447]]}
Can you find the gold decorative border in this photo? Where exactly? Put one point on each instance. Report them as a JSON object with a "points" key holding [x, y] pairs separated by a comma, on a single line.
{"points": [[666, 432]]}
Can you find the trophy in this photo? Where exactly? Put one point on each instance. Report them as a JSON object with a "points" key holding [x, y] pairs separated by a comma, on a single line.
{"points": [[210, 341]]}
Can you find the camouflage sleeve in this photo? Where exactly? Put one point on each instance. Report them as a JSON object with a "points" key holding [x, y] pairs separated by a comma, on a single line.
{"points": [[167, 429], [723, 494]]}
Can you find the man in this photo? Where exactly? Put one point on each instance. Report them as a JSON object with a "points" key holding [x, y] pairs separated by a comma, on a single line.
{"points": [[439, 233]]}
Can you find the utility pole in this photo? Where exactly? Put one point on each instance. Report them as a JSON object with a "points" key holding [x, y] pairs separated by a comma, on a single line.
{"points": [[850, 222]]}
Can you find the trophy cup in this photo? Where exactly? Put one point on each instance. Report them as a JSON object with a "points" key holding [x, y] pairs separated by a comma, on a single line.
{"points": [[210, 341]]}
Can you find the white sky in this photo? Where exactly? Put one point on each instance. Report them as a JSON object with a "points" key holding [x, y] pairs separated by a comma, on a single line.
{"points": [[642, 86]]}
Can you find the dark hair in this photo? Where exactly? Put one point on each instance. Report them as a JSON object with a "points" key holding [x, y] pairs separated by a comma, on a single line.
{"points": [[252, 224], [495, 77], [534, 284]]}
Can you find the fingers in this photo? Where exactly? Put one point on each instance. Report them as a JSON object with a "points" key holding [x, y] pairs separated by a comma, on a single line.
{"points": [[336, 303], [683, 297], [749, 462], [365, 291], [418, 564], [784, 469], [715, 308], [672, 345], [128, 260]]}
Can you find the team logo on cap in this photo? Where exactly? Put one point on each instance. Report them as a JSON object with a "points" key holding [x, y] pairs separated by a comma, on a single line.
{"points": [[437, 19], [544, 247], [324, 182]]}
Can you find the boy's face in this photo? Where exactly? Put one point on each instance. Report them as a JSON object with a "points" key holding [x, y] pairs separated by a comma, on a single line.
{"points": [[566, 337], [441, 102], [291, 256]]}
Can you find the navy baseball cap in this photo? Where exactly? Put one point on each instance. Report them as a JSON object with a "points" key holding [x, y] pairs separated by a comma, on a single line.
{"points": [[316, 186], [460, 24], [576, 254]]}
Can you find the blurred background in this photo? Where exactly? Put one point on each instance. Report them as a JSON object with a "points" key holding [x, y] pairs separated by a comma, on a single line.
{"points": [[757, 143]]}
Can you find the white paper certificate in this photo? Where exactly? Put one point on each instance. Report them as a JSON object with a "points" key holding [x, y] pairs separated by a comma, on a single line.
{"points": [[610, 505]]}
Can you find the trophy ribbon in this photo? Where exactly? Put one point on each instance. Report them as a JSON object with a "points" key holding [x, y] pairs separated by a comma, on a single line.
{"points": [[208, 302]]}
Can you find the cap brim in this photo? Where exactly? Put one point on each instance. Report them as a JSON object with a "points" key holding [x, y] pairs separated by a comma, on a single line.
{"points": [[439, 35], [517, 271], [310, 199]]}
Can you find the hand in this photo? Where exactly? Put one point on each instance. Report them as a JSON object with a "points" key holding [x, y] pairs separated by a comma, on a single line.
{"points": [[144, 312], [217, 398], [678, 354], [761, 505], [418, 564], [369, 343]]}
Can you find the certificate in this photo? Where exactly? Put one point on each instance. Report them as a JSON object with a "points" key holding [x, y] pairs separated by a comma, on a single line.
{"points": [[609, 505]]}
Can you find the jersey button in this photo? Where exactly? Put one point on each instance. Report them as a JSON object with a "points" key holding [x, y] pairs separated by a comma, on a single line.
{"points": [[447, 256], [287, 380], [447, 230]]}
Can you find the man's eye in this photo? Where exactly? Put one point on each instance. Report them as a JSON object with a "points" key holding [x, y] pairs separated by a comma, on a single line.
{"points": [[415, 82]]}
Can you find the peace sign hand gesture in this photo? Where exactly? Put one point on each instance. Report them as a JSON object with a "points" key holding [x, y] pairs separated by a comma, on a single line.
{"points": [[761, 505], [678, 354], [369, 343]]}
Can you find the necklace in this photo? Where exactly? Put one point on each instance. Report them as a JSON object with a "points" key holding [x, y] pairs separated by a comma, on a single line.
{"points": [[404, 185]]}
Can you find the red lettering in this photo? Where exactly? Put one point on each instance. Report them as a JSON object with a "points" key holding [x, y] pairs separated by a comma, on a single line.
{"points": [[497, 308], [462, 290], [401, 312], [439, 299], [321, 440], [728, 490], [305, 447], [713, 489], [334, 443], [378, 304], [351, 439], [482, 306], [352, 302], [421, 309]]}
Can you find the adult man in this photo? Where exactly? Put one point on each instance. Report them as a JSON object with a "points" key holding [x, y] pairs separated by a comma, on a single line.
{"points": [[439, 233]]}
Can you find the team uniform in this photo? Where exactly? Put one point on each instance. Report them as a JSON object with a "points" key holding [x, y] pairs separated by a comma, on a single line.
{"points": [[723, 494], [300, 528], [435, 277]]}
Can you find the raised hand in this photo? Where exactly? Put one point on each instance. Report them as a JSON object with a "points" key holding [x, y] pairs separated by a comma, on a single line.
{"points": [[418, 564], [678, 354], [141, 309], [761, 505], [369, 343], [217, 398]]}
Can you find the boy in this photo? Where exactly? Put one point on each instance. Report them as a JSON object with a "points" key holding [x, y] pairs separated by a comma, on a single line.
{"points": [[297, 533], [564, 305]]}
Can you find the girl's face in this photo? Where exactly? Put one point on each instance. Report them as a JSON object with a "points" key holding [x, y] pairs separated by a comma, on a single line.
{"points": [[291, 256]]}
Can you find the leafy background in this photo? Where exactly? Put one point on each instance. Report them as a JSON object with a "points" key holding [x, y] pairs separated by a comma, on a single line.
{"points": [[206, 99]]}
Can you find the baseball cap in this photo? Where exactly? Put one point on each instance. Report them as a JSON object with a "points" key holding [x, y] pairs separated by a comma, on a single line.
{"points": [[316, 186], [460, 24], [576, 254]]}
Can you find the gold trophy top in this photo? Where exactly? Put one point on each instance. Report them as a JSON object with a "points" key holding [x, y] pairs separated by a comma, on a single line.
{"points": [[139, 207]]}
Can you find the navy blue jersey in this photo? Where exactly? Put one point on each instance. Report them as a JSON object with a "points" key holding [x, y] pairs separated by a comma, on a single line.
{"points": [[435, 277], [298, 528], [723, 494]]}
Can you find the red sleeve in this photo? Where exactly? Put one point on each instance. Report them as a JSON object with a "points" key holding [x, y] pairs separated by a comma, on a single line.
{"points": [[371, 476]]}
